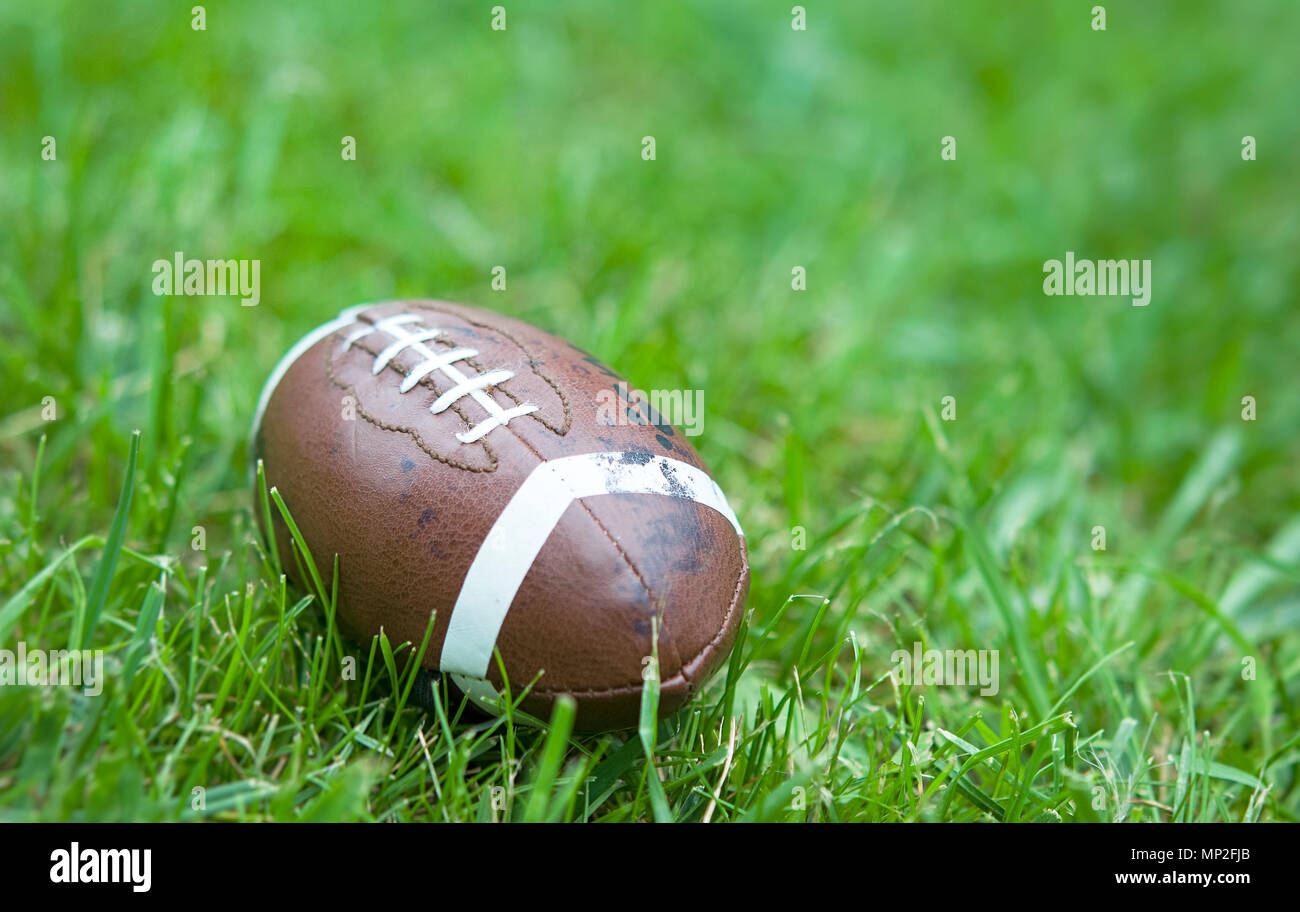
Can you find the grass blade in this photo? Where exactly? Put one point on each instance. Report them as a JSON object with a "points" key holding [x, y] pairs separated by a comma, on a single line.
{"points": [[112, 547]]}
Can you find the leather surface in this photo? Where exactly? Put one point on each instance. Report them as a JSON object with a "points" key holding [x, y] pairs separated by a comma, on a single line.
{"points": [[406, 505]]}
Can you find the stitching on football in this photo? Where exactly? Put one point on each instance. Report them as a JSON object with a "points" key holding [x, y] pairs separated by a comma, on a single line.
{"points": [[411, 432], [534, 364]]}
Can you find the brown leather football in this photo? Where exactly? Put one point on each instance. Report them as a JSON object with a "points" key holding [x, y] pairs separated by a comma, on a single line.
{"points": [[469, 465]]}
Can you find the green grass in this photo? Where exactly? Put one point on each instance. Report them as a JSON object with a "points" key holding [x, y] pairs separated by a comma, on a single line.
{"points": [[1122, 691]]}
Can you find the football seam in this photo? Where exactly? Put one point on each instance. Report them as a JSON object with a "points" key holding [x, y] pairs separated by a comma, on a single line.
{"points": [[533, 364], [411, 432], [691, 685], [627, 558], [427, 382], [542, 460]]}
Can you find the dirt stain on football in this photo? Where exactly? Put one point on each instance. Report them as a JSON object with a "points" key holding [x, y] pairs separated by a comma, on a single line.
{"points": [[423, 523], [408, 465], [673, 540], [675, 486], [636, 456]]}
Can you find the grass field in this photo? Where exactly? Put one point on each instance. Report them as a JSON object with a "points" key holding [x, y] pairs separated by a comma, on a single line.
{"points": [[1155, 680]]}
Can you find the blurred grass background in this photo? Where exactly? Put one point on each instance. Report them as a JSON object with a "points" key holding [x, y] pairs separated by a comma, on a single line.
{"points": [[775, 148]]}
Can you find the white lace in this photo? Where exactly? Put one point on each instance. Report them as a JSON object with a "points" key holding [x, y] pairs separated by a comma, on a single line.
{"points": [[464, 384]]}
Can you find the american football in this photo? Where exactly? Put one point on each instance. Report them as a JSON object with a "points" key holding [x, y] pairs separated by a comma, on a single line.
{"points": [[460, 465]]}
